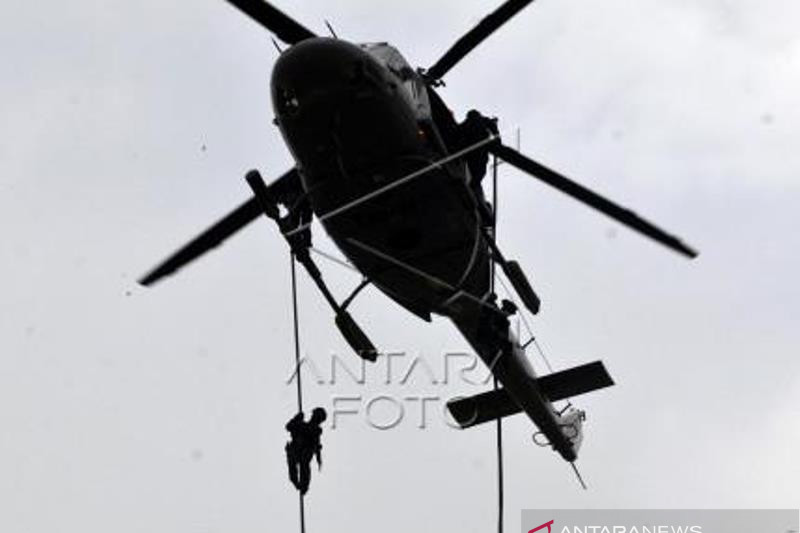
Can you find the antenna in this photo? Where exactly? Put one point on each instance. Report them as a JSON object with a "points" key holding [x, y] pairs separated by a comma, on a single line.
{"points": [[330, 29], [277, 46], [578, 474]]}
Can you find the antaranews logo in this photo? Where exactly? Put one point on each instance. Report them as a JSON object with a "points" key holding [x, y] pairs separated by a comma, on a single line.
{"points": [[597, 528], [659, 520]]}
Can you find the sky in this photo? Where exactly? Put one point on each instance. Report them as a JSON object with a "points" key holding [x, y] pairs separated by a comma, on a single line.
{"points": [[127, 127]]}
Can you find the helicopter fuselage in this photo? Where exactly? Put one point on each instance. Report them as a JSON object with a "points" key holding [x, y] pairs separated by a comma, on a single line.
{"points": [[356, 119], [354, 126]]}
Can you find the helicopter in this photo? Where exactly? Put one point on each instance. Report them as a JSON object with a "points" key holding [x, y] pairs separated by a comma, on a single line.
{"points": [[395, 181]]}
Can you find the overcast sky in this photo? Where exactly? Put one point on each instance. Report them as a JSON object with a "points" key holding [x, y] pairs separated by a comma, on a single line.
{"points": [[127, 127]]}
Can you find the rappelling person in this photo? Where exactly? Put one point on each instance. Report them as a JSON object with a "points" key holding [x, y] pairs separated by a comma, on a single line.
{"points": [[295, 223], [474, 129], [502, 326], [304, 445], [494, 325], [290, 194]]}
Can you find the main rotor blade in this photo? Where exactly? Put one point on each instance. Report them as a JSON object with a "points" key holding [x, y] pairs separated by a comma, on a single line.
{"points": [[474, 37], [209, 239], [282, 25], [590, 198]]}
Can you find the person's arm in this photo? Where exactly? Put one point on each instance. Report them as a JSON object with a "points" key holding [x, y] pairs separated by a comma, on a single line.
{"points": [[318, 454], [294, 423]]}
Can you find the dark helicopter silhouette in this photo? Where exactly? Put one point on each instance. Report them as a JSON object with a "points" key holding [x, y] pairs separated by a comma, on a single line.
{"points": [[395, 181]]}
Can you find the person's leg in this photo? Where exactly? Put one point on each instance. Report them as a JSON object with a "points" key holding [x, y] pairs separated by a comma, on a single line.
{"points": [[291, 462], [305, 475]]}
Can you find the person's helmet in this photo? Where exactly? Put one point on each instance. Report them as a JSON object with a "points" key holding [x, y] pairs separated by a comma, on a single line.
{"points": [[318, 415]]}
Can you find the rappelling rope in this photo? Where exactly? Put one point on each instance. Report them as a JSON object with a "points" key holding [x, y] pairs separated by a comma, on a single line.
{"points": [[297, 370], [499, 423], [532, 340]]}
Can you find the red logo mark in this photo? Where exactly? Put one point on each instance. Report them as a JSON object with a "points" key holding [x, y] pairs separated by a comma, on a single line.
{"points": [[547, 525]]}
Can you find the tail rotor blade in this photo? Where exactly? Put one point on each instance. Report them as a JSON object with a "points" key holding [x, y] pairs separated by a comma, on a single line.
{"points": [[282, 25], [579, 192], [474, 37]]}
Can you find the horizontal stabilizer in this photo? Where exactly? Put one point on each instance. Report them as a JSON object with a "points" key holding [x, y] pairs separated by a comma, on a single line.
{"points": [[575, 381], [483, 407], [495, 404]]}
